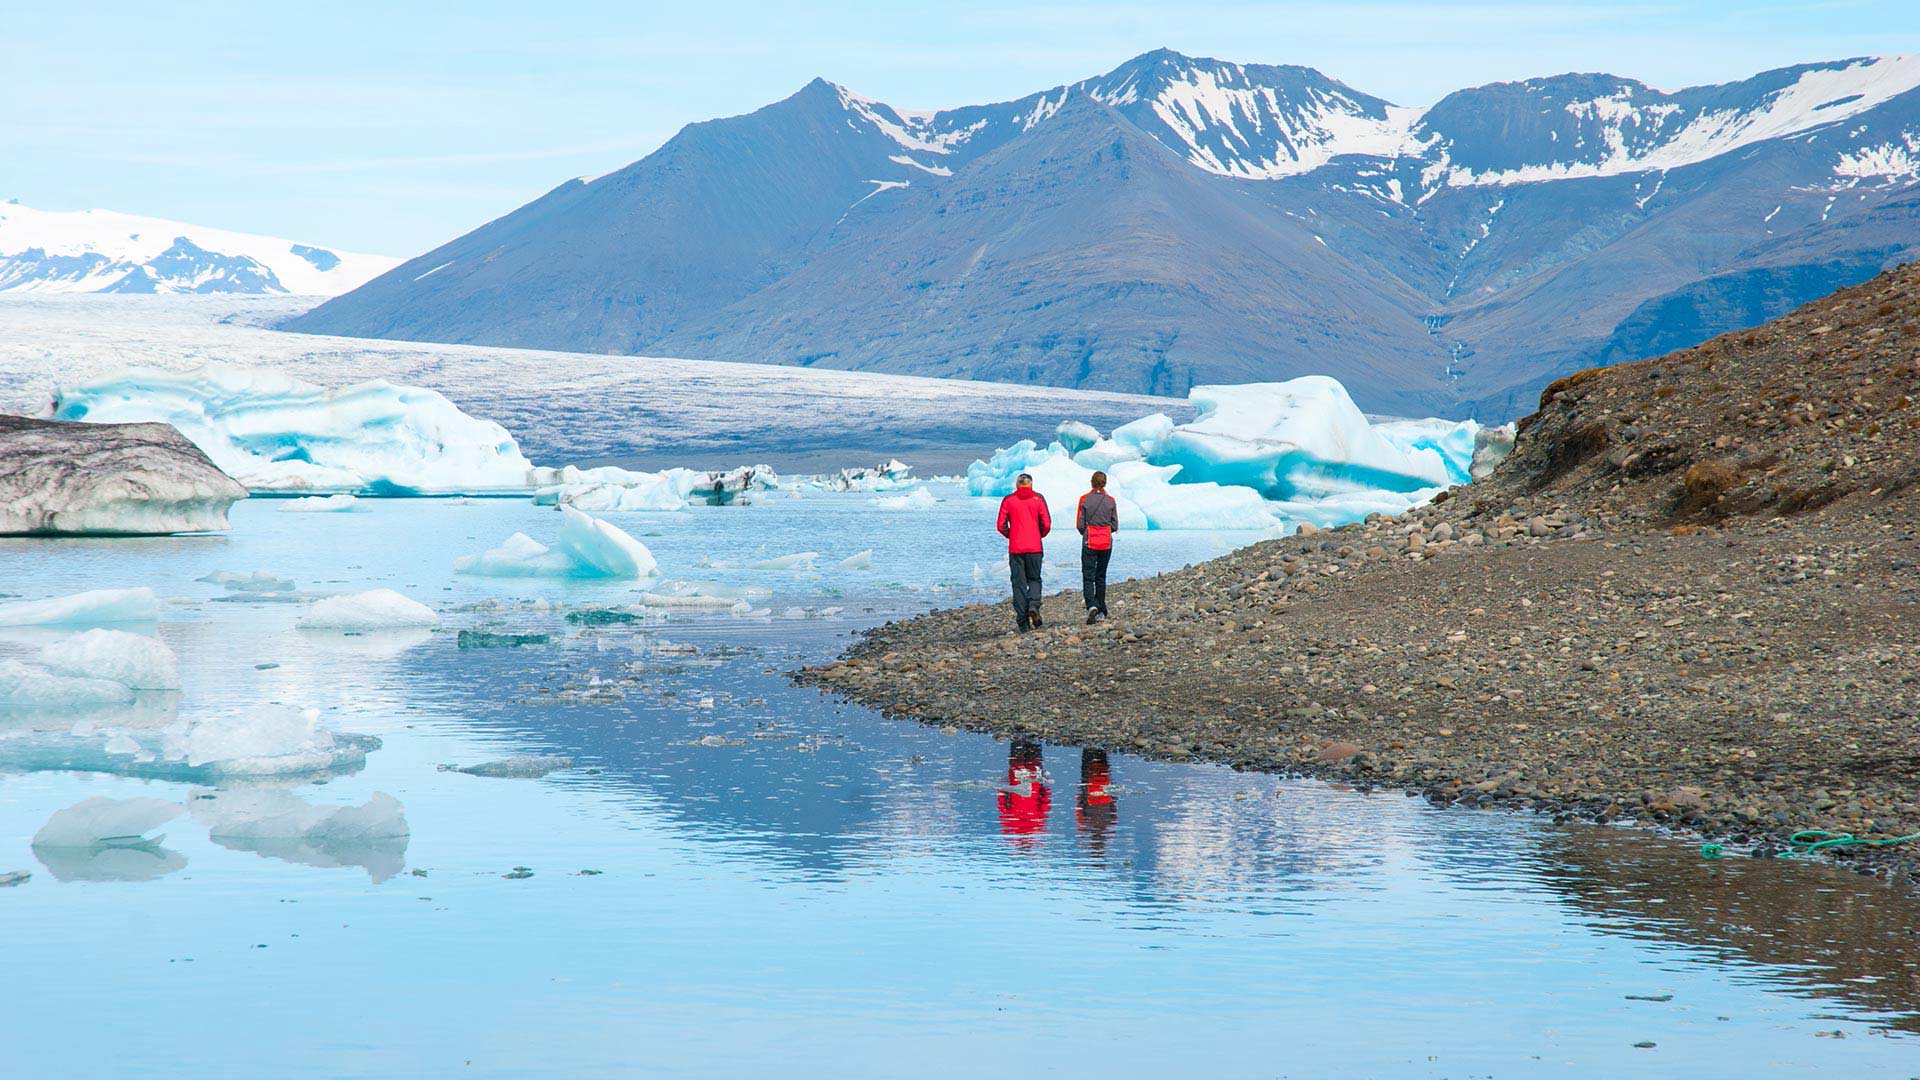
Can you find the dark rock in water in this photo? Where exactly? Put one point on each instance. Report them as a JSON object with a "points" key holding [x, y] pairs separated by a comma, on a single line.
{"points": [[63, 479], [601, 617], [485, 639]]}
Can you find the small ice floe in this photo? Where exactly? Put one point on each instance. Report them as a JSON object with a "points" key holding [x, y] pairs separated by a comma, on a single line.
{"points": [[25, 687], [917, 499], [860, 560], [133, 660], [799, 560], [695, 602], [714, 740], [586, 547], [275, 823], [258, 581], [106, 821], [14, 877], [375, 609], [320, 504], [517, 767], [94, 608]]}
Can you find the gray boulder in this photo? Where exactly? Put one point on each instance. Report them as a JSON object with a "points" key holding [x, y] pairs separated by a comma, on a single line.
{"points": [[107, 480]]}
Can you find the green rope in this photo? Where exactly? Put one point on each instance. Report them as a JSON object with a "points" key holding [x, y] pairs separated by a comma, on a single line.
{"points": [[1808, 841]]}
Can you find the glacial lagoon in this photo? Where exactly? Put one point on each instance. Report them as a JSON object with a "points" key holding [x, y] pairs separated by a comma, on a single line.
{"points": [[739, 875]]}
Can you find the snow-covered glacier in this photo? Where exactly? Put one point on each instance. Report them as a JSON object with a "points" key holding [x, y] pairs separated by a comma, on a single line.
{"points": [[1256, 455], [107, 251]]}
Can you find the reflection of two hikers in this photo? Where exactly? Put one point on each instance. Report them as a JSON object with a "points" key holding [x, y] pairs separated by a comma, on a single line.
{"points": [[1025, 521], [1027, 797]]}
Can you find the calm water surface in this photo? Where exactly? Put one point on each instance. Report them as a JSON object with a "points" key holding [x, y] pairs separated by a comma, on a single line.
{"points": [[817, 891]]}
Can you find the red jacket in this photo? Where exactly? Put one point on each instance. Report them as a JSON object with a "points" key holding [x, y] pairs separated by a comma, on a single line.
{"points": [[1024, 520]]}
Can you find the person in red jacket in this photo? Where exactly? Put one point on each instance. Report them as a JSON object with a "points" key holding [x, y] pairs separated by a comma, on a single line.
{"points": [[1024, 521]]}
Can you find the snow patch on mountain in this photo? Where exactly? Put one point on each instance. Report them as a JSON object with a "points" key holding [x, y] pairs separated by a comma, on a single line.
{"points": [[1641, 129], [107, 251], [1890, 163]]}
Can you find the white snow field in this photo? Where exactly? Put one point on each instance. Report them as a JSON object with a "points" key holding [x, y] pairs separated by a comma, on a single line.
{"points": [[639, 412], [86, 251]]}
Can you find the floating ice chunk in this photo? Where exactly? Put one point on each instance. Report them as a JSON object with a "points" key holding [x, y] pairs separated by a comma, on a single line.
{"points": [[859, 560], [587, 547], [275, 433], [276, 814], [1076, 436], [917, 499], [1304, 436], [281, 825], [264, 744], [320, 504], [1105, 454], [258, 581], [1144, 436], [376, 609], [1330, 511], [517, 767], [996, 475], [100, 606], [100, 821], [133, 660], [799, 560], [695, 602], [25, 687], [599, 545]]}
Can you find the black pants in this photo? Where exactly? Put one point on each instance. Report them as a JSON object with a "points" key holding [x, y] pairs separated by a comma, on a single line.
{"points": [[1093, 577], [1026, 584]]}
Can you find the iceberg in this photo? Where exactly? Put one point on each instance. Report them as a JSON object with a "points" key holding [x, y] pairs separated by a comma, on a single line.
{"points": [[132, 660], [1256, 454], [1302, 437], [376, 609], [320, 504], [91, 608], [1076, 436], [587, 547], [257, 582], [859, 560], [23, 686], [1491, 447], [149, 739], [1453, 440], [104, 821], [917, 499], [279, 743], [275, 433], [107, 479]]}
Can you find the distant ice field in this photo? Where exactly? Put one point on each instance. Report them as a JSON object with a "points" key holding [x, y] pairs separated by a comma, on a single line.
{"points": [[641, 412]]}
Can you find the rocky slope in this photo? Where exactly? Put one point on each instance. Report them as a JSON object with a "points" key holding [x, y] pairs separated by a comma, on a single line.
{"points": [[1691, 596], [61, 479]]}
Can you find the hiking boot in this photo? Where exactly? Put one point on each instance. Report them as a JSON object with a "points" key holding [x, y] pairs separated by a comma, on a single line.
{"points": [[1037, 621], [1093, 616]]}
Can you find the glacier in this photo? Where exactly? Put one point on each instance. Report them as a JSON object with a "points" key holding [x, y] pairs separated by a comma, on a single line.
{"points": [[587, 547]]}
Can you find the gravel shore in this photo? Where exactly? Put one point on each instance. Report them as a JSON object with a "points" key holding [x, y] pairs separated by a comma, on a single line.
{"points": [[1687, 599]]}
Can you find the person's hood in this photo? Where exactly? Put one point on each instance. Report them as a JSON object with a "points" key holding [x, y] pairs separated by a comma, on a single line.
{"points": [[1025, 493]]}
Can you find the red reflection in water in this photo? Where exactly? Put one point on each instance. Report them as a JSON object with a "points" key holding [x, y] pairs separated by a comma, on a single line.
{"points": [[1026, 799]]}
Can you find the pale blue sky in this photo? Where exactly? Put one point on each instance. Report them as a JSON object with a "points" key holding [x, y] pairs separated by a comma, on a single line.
{"points": [[392, 127]]}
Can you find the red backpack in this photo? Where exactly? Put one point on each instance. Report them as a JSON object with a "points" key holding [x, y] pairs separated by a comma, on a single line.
{"points": [[1099, 537]]}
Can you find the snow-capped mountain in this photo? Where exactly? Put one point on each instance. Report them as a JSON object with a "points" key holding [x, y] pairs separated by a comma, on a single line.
{"points": [[104, 251], [1181, 220]]}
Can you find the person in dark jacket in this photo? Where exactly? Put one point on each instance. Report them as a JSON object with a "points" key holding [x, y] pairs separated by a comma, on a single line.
{"points": [[1097, 518], [1024, 521]]}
